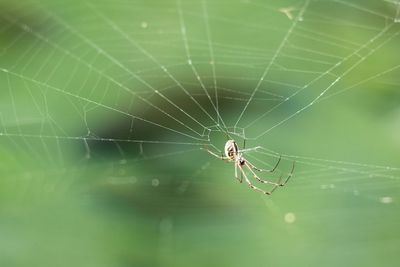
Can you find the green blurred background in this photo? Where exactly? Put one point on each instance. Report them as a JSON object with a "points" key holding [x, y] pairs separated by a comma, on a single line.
{"points": [[106, 108]]}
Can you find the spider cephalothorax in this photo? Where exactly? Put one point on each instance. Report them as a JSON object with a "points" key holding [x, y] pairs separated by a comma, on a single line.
{"points": [[232, 153]]}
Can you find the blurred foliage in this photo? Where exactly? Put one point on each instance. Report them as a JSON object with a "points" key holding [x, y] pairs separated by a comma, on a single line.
{"points": [[86, 180]]}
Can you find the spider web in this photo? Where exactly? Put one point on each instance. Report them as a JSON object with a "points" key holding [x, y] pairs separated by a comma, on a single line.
{"points": [[129, 95]]}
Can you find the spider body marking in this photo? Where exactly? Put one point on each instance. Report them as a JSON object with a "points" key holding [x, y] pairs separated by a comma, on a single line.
{"points": [[231, 149], [232, 153]]}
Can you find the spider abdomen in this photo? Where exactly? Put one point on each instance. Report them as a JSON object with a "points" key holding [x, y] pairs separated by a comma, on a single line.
{"points": [[231, 149]]}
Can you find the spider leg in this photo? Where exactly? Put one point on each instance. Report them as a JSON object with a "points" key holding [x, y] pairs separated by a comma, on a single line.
{"points": [[236, 175], [262, 180], [290, 174], [215, 155], [265, 170], [254, 187]]}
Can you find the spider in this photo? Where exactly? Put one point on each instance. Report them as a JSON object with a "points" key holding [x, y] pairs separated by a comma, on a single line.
{"points": [[232, 153]]}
